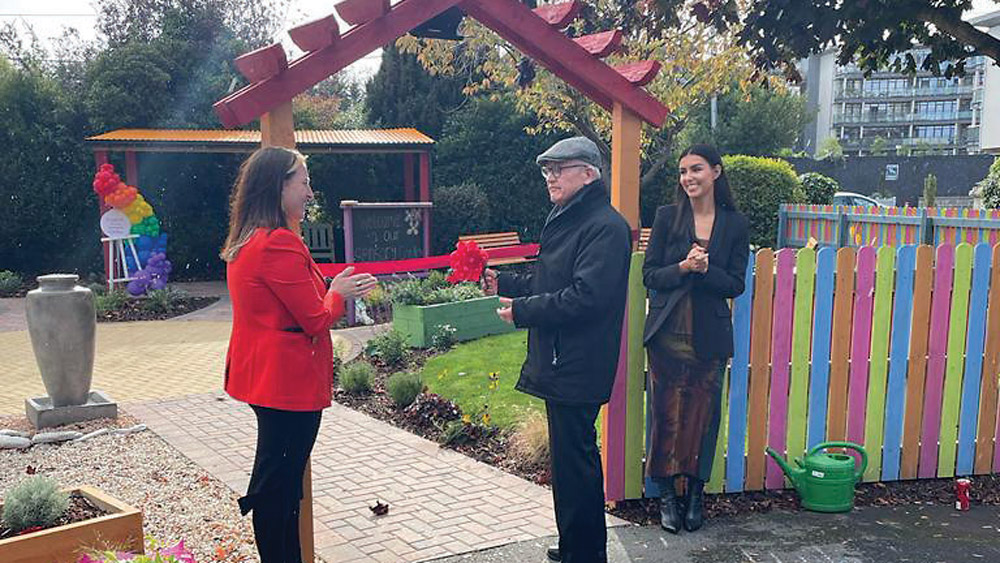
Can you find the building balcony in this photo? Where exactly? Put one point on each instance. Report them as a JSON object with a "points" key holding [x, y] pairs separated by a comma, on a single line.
{"points": [[890, 144], [931, 91], [863, 118]]}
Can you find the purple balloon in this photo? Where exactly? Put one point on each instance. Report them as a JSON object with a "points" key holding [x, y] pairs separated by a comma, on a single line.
{"points": [[158, 283], [136, 287]]}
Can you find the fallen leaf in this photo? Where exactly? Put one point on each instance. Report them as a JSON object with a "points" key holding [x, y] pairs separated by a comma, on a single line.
{"points": [[379, 509]]}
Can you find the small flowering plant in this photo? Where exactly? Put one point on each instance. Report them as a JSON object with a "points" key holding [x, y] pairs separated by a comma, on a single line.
{"points": [[468, 262], [156, 553]]}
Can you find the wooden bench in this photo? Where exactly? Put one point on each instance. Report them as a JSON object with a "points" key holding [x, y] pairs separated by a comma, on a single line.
{"points": [[488, 241], [319, 239]]}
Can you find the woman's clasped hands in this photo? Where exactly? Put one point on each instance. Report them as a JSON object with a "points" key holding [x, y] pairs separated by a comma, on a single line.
{"points": [[697, 259]]}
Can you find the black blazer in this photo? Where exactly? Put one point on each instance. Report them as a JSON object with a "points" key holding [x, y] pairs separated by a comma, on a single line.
{"points": [[728, 251]]}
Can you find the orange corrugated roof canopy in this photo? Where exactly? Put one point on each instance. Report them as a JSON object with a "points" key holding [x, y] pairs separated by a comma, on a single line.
{"points": [[403, 140]]}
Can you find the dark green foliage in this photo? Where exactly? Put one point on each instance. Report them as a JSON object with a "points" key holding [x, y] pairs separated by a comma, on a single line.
{"points": [[778, 32], [403, 94], [930, 190], [10, 282], [403, 388], [760, 186], [458, 210], [818, 189], [431, 291], [758, 122], [48, 214], [485, 143], [36, 501]]}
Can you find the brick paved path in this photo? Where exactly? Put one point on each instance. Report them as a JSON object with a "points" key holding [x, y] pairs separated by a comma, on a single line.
{"points": [[441, 502], [168, 374]]}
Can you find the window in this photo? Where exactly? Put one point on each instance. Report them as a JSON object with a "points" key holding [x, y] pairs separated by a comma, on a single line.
{"points": [[936, 132], [936, 110]]}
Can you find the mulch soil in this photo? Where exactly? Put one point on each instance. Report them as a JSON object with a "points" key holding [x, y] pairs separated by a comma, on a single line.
{"points": [[985, 491], [429, 415], [134, 310], [80, 509]]}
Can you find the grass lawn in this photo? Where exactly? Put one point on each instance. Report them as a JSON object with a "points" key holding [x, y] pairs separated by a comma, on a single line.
{"points": [[463, 376]]}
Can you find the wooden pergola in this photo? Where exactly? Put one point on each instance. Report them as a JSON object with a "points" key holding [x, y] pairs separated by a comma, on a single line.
{"points": [[538, 33]]}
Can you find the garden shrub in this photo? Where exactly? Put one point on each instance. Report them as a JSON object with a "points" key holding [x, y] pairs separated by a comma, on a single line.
{"points": [[164, 300], [356, 377], [390, 347], [431, 290], [817, 188], [403, 388], [10, 282], [760, 186], [990, 186], [530, 442], [36, 501], [444, 337], [458, 210], [110, 301]]}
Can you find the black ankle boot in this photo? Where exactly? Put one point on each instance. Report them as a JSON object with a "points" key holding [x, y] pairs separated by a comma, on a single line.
{"points": [[670, 514], [694, 517]]}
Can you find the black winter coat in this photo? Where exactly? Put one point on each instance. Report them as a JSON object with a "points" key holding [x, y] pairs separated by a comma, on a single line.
{"points": [[574, 302], [728, 252]]}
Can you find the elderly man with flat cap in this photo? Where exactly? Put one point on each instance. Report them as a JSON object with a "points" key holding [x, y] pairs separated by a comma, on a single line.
{"points": [[573, 304]]}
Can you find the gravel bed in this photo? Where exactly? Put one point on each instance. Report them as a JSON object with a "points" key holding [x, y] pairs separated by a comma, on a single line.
{"points": [[179, 499]]}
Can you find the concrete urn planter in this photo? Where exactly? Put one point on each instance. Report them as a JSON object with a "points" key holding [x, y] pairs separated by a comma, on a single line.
{"points": [[62, 325]]}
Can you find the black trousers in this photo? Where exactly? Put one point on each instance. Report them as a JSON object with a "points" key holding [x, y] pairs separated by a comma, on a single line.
{"points": [[577, 482], [284, 441]]}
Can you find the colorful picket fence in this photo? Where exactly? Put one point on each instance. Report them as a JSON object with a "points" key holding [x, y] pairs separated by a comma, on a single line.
{"points": [[895, 348], [891, 226]]}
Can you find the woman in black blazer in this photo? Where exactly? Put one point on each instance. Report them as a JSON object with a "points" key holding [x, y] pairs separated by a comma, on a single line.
{"points": [[695, 261]]}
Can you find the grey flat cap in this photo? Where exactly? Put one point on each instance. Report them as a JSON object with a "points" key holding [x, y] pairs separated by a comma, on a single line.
{"points": [[574, 148]]}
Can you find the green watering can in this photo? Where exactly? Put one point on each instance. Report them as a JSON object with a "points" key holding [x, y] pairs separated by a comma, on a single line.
{"points": [[825, 481]]}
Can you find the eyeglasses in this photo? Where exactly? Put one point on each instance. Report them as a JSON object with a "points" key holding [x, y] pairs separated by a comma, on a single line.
{"points": [[555, 171]]}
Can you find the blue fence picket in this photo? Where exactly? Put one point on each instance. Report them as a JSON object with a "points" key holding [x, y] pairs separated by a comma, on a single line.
{"points": [[898, 362], [975, 342], [736, 448], [819, 378]]}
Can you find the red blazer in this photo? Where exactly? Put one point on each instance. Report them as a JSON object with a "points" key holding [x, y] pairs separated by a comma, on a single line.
{"points": [[280, 353]]}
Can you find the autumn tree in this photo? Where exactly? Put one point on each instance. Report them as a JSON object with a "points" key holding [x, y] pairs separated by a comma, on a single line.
{"points": [[699, 62]]}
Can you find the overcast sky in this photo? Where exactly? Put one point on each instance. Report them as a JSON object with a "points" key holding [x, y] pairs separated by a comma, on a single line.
{"points": [[49, 17]]}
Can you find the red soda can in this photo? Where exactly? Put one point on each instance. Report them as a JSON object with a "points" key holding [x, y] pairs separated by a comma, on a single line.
{"points": [[962, 487]]}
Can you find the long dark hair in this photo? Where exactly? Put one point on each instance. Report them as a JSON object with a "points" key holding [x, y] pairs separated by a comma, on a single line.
{"points": [[684, 218], [256, 197]]}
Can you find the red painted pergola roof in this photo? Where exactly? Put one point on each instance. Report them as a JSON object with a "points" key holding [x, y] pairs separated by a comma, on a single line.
{"points": [[537, 33], [226, 140]]}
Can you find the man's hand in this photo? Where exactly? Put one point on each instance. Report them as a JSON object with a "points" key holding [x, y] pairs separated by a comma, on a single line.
{"points": [[505, 312], [489, 282]]}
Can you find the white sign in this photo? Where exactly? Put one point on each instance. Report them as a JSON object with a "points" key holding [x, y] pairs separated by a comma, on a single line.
{"points": [[891, 171], [115, 224]]}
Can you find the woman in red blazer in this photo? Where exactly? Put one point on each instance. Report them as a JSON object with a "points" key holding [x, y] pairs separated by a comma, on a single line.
{"points": [[280, 357]]}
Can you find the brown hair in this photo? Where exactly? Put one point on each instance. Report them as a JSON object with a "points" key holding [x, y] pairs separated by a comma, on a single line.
{"points": [[256, 197]]}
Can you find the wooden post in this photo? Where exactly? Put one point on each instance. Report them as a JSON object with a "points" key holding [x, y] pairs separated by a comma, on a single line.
{"points": [[277, 128], [101, 157], [131, 169], [622, 417], [409, 188], [625, 140], [425, 195]]}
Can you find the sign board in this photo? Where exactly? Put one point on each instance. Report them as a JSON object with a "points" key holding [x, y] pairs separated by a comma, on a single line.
{"points": [[115, 224], [891, 172], [385, 231]]}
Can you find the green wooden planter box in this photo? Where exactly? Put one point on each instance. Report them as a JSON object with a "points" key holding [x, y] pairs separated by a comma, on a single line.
{"points": [[471, 319]]}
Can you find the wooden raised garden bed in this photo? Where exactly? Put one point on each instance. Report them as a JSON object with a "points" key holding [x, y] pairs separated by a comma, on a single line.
{"points": [[120, 529]]}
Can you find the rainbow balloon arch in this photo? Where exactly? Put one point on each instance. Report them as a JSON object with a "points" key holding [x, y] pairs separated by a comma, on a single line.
{"points": [[147, 267]]}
